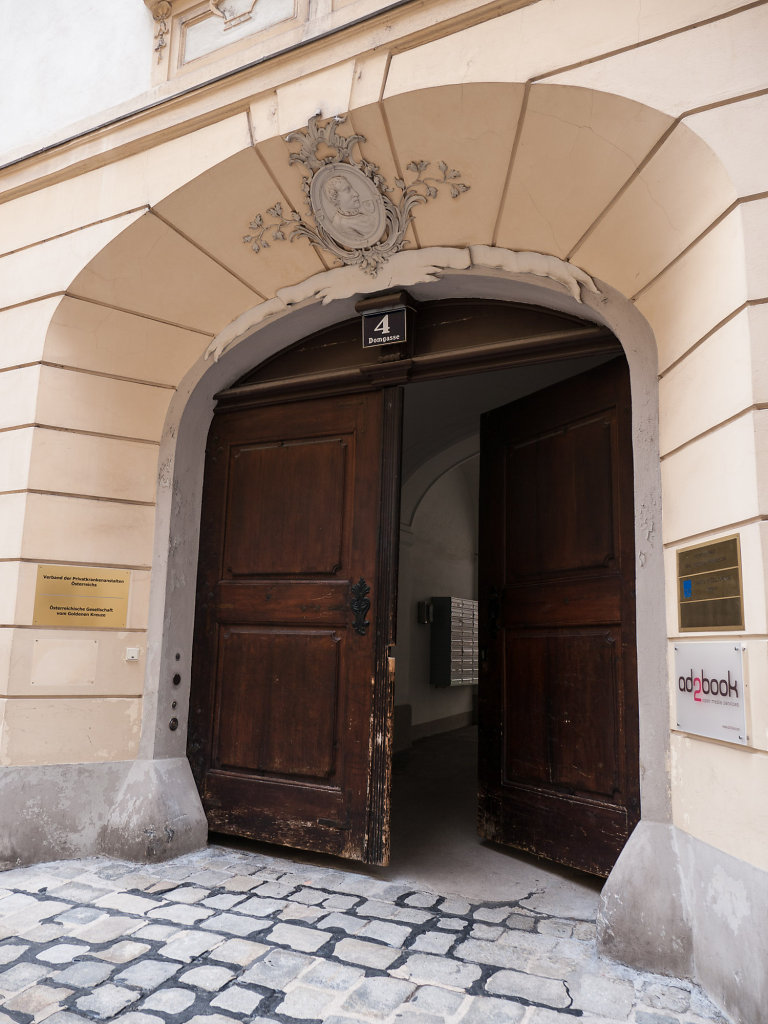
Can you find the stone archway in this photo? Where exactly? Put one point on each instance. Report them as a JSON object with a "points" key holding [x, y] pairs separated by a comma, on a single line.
{"points": [[175, 279], [177, 530]]}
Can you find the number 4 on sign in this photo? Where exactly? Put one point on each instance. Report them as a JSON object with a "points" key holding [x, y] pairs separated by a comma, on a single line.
{"points": [[384, 327]]}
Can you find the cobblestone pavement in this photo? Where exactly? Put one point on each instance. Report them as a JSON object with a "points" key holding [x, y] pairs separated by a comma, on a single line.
{"points": [[224, 936]]}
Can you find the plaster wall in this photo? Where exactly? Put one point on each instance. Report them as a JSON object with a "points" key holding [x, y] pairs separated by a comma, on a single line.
{"points": [[438, 558], [104, 59]]}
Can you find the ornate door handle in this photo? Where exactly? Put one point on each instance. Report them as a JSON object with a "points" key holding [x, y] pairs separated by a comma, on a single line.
{"points": [[360, 605]]}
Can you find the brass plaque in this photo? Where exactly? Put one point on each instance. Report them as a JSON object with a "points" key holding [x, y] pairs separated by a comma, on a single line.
{"points": [[708, 586], [80, 597], [709, 589], [722, 554]]}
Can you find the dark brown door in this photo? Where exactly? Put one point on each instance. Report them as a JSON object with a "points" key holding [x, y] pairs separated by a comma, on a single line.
{"points": [[290, 713], [559, 772]]}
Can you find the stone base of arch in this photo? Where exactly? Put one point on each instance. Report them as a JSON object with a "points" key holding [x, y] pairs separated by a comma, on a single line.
{"points": [[677, 906], [144, 810]]}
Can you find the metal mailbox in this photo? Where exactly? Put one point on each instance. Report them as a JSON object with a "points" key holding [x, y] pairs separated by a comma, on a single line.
{"points": [[453, 642]]}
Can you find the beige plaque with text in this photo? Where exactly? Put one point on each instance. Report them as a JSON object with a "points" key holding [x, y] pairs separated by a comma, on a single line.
{"points": [[81, 597]]}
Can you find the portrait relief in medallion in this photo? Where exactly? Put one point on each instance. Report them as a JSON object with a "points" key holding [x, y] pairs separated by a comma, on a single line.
{"points": [[354, 214], [348, 205]]}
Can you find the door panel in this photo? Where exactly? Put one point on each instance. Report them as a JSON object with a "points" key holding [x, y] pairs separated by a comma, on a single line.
{"points": [[559, 771], [305, 476], [565, 533], [271, 738], [582, 671], [288, 697]]}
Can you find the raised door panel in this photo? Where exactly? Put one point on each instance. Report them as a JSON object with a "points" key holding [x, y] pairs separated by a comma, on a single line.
{"points": [[560, 717], [585, 708], [559, 772], [547, 478], [272, 673], [305, 476]]}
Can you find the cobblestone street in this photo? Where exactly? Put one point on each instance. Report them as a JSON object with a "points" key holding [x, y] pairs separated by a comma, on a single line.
{"points": [[225, 936]]}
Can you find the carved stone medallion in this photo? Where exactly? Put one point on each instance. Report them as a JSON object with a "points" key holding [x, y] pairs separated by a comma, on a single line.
{"points": [[348, 205], [353, 212]]}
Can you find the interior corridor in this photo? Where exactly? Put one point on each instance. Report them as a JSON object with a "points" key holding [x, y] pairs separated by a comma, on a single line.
{"points": [[435, 846], [435, 842]]}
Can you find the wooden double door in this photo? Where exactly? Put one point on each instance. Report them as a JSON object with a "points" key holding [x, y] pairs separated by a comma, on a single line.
{"points": [[292, 690]]}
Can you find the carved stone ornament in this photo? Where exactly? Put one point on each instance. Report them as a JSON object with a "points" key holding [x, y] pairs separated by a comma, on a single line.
{"points": [[406, 269], [161, 11], [354, 214], [233, 12]]}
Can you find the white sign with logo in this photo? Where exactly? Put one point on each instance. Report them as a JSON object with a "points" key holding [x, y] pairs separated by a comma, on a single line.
{"points": [[709, 683]]}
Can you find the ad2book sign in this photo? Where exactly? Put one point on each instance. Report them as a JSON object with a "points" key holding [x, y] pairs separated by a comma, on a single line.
{"points": [[709, 684]]}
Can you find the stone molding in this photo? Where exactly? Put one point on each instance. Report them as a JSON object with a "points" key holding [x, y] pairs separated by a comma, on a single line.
{"points": [[405, 269]]}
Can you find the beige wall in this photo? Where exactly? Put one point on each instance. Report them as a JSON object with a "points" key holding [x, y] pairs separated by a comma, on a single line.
{"points": [[624, 137]]}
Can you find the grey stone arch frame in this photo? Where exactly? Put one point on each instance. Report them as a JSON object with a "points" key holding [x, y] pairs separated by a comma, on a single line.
{"points": [[159, 812]]}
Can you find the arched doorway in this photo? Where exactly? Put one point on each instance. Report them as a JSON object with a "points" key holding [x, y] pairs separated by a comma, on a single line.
{"points": [[289, 740]]}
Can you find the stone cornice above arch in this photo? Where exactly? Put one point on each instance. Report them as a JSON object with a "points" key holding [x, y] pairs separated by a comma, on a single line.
{"points": [[416, 266]]}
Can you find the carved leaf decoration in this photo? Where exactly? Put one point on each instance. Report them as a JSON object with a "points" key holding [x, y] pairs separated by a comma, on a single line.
{"points": [[322, 144]]}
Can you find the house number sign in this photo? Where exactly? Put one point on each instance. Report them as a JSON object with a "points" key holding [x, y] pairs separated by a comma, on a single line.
{"points": [[385, 327], [709, 687]]}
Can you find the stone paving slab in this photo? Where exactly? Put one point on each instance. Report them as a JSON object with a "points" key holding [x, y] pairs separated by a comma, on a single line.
{"points": [[231, 937]]}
